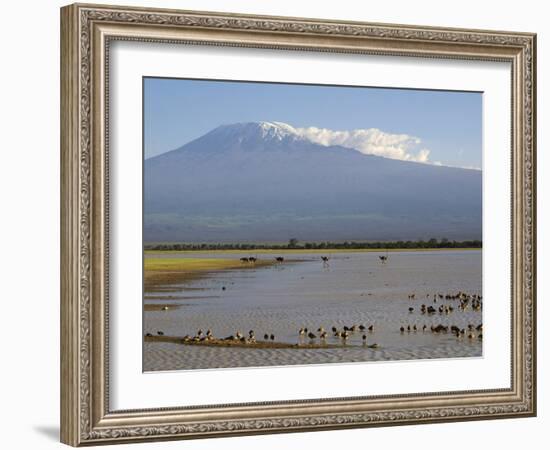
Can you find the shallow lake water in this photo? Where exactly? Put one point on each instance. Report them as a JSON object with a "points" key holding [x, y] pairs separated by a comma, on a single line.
{"points": [[354, 288]]}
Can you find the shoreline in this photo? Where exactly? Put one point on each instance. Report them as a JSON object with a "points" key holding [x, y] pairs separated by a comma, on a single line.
{"points": [[303, 250], [159, 272], [257, 344]]}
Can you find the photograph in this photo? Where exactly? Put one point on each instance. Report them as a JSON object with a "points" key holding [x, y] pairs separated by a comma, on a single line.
{"points": [[293, 224], [288, 220]]}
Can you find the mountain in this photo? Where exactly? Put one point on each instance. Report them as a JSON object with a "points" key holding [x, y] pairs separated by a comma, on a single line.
{"points": [[263, 181]]}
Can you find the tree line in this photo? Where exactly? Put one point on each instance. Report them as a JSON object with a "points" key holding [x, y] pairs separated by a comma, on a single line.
{"points": [[294, 244]]}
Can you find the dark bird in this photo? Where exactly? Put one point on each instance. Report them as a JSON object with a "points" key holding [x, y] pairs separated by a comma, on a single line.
{"points": [[311, 335], [402, 329], [371, 328], [266, 336], [149, 335], [223, 288], [160, 333], [383, 259], [364, 338], [272, 337], [361, 327], [279, 259], [411, 309]]}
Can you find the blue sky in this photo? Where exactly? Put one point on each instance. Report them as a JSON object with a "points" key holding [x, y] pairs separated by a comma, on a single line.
{"points": [[447, 125]]}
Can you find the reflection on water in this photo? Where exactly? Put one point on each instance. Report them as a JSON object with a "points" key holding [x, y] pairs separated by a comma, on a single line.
{"points": [[354, 288]]}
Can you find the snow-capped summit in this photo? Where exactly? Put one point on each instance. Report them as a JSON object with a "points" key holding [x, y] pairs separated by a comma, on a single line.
{"points": [[254, 131], [278, 130], [243, 139]]}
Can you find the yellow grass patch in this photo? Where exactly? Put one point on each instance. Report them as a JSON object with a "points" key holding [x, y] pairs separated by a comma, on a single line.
{"points": [[166, 271], [190, 264]]}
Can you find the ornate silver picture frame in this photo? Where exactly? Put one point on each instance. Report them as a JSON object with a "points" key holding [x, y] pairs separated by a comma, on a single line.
{"points": [[87, 33]]}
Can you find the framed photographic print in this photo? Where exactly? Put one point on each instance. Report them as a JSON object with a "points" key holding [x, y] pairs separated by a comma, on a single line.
{"points": [[277, 224]]}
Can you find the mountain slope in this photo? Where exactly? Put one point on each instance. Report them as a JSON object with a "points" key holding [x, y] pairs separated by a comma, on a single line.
{"points": [[264, 182]]}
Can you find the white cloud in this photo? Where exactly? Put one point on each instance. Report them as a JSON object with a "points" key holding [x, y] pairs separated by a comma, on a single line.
{"points": [[371, 141]]}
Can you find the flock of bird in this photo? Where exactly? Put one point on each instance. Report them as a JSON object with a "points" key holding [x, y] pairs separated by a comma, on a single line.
{"points": [[343, 334], [474, 332], [465, 301], [201, 336], [279, 259]]}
